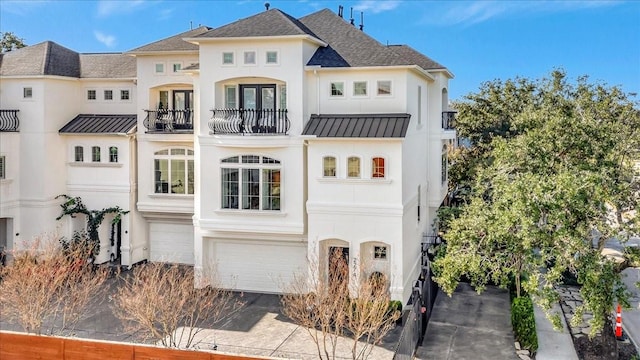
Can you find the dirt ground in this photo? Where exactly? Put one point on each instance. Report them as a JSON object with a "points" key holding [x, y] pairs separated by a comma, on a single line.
{"points": [[592, 349]]}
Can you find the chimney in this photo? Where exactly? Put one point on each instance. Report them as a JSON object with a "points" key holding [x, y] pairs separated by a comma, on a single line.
{"points": [[266, 6], [352, 23], [340, 9]]}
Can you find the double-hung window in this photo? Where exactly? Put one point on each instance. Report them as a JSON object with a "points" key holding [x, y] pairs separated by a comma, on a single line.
{"points": [[95, 153], [113, 154], [353, 167], [250, 182], [329, 166], [78, 154], [173, 171]]}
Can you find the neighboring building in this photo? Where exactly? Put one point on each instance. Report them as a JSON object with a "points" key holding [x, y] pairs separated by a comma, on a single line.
{"points": [[258, 145]]}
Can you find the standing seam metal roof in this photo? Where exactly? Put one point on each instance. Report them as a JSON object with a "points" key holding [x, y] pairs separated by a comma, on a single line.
{"points": [[100, 124], [358, 125]]}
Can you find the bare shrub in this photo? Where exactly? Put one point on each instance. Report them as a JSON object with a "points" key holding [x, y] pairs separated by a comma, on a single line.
{"points": [[338, 305], [159, 302], [47, 288]]}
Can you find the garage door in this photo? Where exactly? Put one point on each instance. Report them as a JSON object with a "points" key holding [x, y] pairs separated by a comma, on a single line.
{"points": [[171, 243], [258, 266]]}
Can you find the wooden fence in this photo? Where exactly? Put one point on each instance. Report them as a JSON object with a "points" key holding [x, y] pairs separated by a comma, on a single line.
{"points": [[31, 347]]}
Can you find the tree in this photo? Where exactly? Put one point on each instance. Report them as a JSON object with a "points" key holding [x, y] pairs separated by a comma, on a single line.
{"points": [[9, 41], [551, 184], [74, 205], [159, 302], [336, 305], [47, 289]]}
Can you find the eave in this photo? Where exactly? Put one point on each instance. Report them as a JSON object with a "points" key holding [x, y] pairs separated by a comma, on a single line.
{"points": [[414, 68]]}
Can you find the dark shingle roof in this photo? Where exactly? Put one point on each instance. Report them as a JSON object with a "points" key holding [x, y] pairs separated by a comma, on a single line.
{"points": [[351, 47], [268, 23], [413, 57], [46, 58], [100, 124], [174, 43], [107, 66], [358, 125]]}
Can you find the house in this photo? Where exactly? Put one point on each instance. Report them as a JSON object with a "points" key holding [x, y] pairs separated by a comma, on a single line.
{"points": [[256, 146]]}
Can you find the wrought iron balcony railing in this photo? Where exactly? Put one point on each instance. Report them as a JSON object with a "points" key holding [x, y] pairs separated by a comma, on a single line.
{"points": [[249, 121], [165, 120], [449, 120], [9, 120]]}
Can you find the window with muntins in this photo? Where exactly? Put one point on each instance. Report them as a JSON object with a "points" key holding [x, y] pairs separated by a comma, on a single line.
{"points": [[359, 88], [173, 171], [250, 182], [337, 88], [380, 252], [230, 97], [91, 94], [78, 154], [384, 87], [227, 58], [377, 168], [329, 166], [113, 154], [353, 167], [272, 57], [124, 94], [250, 57], [108, 94], [27, 93], [95, 153]]}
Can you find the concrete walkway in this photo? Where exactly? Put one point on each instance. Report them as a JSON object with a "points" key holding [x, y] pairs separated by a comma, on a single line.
{"points": [[470, 326], [553, 344]]}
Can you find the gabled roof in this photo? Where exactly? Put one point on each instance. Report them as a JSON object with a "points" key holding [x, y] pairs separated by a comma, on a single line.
{"points": [[45, 58], [351, 47], [358, 125], [100, 124], [173, 43], [268, 23], [107, 66], [413, 57], [49, 58]]}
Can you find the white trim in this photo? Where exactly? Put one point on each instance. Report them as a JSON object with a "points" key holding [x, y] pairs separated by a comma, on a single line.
{"points": [[336, 208], [94, 164]]}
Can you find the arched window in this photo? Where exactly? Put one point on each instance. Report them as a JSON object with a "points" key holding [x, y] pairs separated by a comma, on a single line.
{"points": [[329, 166], [250, 182], [173, 171], [377, 168], [113, 154], [353, 167], [445, 163]]}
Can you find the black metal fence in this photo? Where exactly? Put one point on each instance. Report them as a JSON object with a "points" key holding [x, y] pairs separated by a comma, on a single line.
{"points": [[9, 120], [422, 299], [249, 121], [166, 120]]}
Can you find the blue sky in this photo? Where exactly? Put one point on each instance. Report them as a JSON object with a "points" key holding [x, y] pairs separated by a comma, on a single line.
{"points": [[477, 40]]}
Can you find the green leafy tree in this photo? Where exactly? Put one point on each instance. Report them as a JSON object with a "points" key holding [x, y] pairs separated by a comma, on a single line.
{"points": [[550, 184], [74, 206], [9, 41]]}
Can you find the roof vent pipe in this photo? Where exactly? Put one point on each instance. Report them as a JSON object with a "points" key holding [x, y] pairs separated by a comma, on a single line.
{"points": [[361, 20], [340, 9], [352, 23], [266, 6]]}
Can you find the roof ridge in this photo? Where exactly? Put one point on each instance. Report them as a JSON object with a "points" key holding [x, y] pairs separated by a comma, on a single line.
{"points": [[45, 58]]}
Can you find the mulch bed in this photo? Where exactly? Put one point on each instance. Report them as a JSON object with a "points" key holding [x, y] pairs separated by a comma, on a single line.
{"points": [[593, 350]]}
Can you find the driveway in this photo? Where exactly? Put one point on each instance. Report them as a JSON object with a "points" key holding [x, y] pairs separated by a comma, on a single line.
{"points": [[470, 326]]}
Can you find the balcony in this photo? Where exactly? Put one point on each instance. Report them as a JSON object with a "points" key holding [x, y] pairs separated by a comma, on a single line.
{"points": [[169, 121], [249, 121], [449, 120], [9, 120]]}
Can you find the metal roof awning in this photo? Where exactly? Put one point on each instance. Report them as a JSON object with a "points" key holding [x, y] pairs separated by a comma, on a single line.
{"points": [[358, 125], [100, 124]]}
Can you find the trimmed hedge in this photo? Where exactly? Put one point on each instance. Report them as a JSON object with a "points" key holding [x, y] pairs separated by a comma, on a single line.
{"points": [[524, 324]]}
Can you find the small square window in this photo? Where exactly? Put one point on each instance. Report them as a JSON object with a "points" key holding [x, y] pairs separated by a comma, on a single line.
{"points": [[108, 94], [380, 252], [95, 153], [2, 167], [272, 57], [250, 57], [91, 94], [384, 87], [124, 94], [359, 88], [227, 58], [177, 67], [78, 154], [337, 88], [159, 68], [27, 93]]}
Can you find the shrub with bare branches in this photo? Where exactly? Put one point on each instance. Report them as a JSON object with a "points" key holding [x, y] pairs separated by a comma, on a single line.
{"points": [[159, 302], [336, 305], [47, 288]]}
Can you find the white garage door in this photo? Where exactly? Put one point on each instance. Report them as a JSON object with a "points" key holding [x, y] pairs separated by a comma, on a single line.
{"points": [[171, 243], [258, 266]]}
